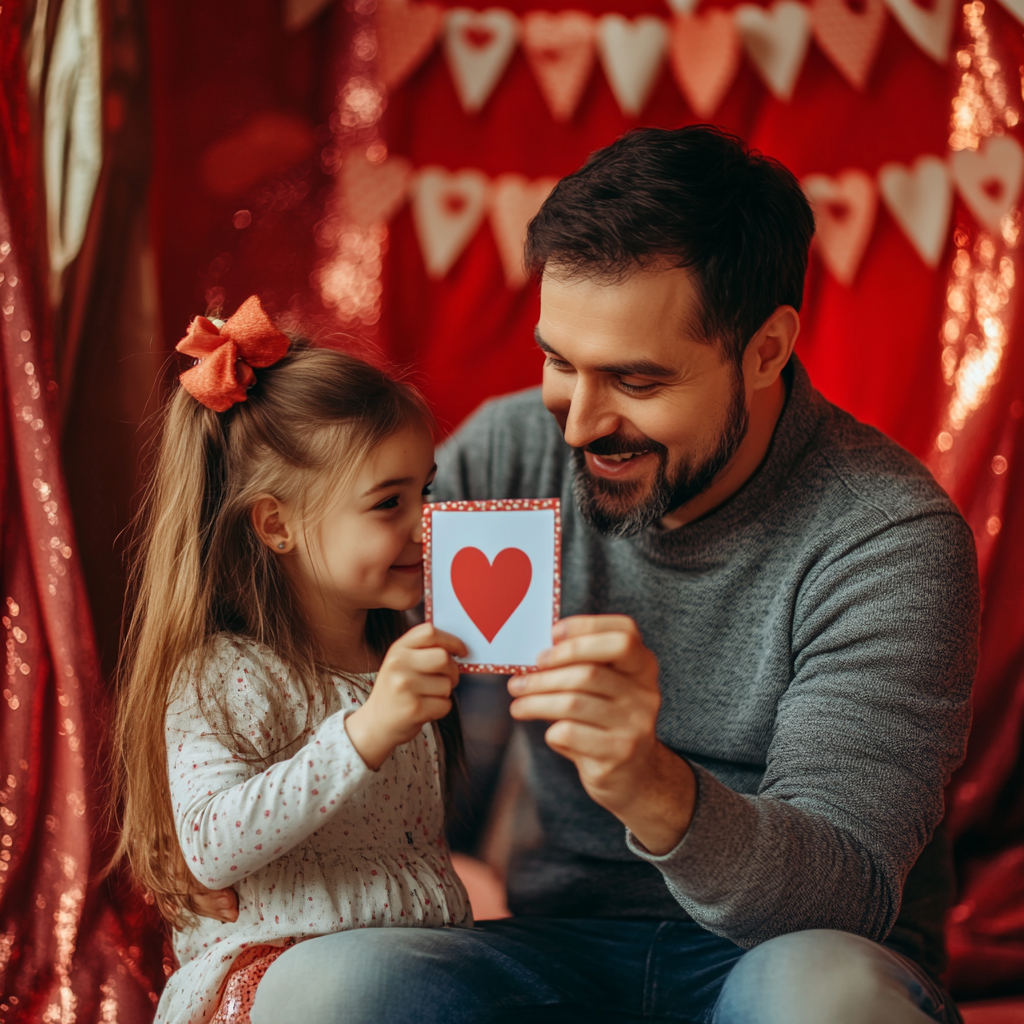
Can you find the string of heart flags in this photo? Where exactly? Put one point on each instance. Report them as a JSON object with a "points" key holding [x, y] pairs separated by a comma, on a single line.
{"points": [[704, 49], [449, 207]]}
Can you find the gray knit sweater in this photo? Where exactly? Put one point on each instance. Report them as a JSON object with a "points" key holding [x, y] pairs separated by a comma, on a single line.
{"points": [[817, 637]]}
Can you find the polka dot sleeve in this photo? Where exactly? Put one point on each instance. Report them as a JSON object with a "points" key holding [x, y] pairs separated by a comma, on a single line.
{"points": [[232, 818]]}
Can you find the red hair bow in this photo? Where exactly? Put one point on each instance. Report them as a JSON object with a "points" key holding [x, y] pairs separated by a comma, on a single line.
{"points": [[227, 354]]}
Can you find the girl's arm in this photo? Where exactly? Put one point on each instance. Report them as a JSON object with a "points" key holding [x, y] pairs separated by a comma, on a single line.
{"points": [[231, 818]]}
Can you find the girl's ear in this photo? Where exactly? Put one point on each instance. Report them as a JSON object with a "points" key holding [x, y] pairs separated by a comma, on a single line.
{"points": [[272, 523]]}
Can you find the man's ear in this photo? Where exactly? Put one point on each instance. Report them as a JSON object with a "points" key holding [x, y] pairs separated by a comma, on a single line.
{"points": [[770, 348], [272, 523]]}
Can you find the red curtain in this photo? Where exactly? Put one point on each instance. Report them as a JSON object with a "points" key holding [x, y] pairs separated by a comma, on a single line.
{"points": [[66, 952], [244, 199], [873, 347]]}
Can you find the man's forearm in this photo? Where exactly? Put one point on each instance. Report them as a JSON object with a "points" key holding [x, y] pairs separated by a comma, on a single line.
{"points": [[659, 808]]}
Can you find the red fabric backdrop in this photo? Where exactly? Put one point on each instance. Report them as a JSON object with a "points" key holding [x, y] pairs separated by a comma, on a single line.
{"points": [[67, 949], [247, 124], [873, 347]]}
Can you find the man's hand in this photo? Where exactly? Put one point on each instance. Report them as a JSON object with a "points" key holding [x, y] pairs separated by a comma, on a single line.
{"points": [[598, 685], [220, 904]]}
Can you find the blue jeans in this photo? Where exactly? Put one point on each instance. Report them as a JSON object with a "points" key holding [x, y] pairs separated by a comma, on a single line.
{"points": [[591, 972]]}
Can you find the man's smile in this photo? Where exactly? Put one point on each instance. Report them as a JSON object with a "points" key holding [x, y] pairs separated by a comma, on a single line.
{"points": [[622, 466]]}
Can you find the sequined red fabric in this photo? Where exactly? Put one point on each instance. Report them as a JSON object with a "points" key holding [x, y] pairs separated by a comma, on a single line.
{"points": [[68, 953], [240, 988]]}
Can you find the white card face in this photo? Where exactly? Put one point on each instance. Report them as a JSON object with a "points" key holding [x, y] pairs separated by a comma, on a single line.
{"points": [[492, 578]]}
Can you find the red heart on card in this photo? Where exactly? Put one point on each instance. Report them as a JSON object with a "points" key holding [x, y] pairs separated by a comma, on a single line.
{"points": [[491, 591]]}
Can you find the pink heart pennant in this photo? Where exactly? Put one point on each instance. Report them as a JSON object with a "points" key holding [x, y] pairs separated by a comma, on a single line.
{"points": [[920, 198], [478, 45], [560, 50], [850, 33], [705, 56], [373, 192], [776, 41], [990, 179], [844, 211], [930, 29], [514, 203], [406, 33], [447, 209]]}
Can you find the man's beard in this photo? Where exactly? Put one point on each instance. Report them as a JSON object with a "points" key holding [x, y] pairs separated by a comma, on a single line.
{"points": [[622, 508]]}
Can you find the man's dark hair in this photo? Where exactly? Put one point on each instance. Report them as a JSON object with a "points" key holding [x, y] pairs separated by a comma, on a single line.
{"points": [[692, 197]]}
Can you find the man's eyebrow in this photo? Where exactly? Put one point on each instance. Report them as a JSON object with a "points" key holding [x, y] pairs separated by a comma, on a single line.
{"points": [[542, 344], [634, 368]]}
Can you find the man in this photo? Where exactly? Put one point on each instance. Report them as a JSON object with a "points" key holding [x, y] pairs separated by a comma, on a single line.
{"points": [[740, 737]]}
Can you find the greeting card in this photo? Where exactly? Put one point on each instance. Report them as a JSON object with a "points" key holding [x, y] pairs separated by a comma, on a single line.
{"points": [[492, 577]]}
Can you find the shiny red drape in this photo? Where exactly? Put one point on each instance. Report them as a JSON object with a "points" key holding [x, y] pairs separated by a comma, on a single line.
{"points": [[65, 953]]}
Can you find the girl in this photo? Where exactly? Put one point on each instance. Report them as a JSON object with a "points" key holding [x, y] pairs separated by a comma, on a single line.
{"points": [[276, 732]]}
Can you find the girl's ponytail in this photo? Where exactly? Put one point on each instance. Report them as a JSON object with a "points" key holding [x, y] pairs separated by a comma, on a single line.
{"points": [[169, 621]]}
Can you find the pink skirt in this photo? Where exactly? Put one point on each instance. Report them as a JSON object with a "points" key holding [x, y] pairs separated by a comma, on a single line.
{"points": [[239, 988]]}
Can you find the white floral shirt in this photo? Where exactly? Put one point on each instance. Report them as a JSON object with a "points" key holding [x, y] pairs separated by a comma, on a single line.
{"points": [[312, 840]]}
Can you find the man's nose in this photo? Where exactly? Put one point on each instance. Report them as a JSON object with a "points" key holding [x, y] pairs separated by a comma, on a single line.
{"points": [[591, 415]]}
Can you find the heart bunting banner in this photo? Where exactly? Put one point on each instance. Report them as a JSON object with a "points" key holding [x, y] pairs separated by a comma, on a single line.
{"points": [[920, 198], [631, 52], [449, 207], [705, 56], [704, 49], [478, 45], [849, 36], [844, 212], [560, 51], [776, 42]]}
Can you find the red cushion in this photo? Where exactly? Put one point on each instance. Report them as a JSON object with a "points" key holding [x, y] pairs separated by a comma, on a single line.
{"points": [[998, 1011]]}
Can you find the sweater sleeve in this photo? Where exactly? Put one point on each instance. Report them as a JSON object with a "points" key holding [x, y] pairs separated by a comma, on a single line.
{"points": [[232, 818], [873, 723]]}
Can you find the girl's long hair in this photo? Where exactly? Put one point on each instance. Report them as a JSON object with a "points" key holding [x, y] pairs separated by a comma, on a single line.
{"points": [[199, 570]]}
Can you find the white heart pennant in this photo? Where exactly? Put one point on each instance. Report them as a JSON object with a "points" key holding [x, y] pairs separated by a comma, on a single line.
{"points": [[705, 56], [631, 54], [683, 6], [850, 36], [776, 42], [560, 51], [990, 179], [514, 203], [1015, 7], [844, 211], [374, 192], [930, 29], [920, 198], [447, 209], [406, 33], [478, 45]]}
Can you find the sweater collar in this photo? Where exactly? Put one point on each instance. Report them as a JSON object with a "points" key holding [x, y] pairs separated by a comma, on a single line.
{"points": [[794, 435]]}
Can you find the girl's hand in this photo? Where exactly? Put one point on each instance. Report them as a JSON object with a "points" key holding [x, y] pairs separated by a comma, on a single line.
{"points": [[220, 904], [413, 687]]}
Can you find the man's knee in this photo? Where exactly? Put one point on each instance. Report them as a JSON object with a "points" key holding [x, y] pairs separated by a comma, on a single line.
{"points": [[362, 976], [820, 975]]}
